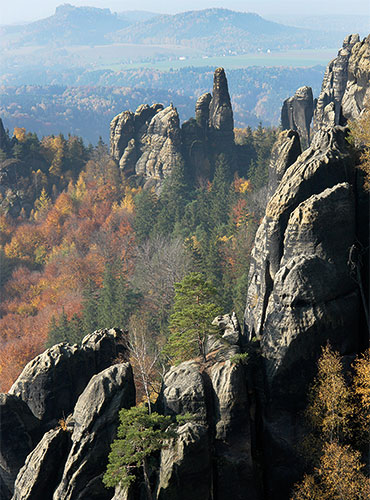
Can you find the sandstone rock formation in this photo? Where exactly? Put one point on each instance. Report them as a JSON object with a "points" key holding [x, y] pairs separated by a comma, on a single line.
{"points": [[95, 422], [46, 392], [344, 93], [19, 433], [345, 87], [149, 143], [51, 383], [219, 439], [297, 113], [284, 153], [301, 291]]}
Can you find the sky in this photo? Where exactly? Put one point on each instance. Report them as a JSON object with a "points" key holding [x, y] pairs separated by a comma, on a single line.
{"points": [[18, 11]]}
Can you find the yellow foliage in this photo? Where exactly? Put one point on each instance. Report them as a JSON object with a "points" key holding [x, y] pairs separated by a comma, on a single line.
{"points": [[128, 200], [245, 186], [193, 242], [80, 188], [339, 476], [20, 134], [361, 384], [225, 239], [42, 204], [330, 409]]}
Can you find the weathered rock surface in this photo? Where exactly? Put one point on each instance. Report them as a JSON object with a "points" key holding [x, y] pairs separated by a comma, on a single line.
{"points": [[95, 421], [345, 87], [284, 153], [221, 120], [297, 113], [160, 146], [43, 467], [219, 438], [202, 110], [149, 143], [19, 433], [51, 383], [69, 461], [301, 293]]}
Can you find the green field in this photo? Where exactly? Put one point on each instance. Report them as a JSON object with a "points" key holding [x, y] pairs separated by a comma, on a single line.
{"points": [[294, 58]]}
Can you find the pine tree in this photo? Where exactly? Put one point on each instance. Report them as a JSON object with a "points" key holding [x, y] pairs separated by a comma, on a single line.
{"points": [[220, 192], [191, 320], [139, 435]]}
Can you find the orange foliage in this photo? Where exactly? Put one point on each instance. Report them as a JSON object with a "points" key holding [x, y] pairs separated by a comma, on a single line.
{"points": [[88, 226]]}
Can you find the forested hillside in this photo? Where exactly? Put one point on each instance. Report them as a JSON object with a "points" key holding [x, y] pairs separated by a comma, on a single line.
{"points": [[77, 241]]}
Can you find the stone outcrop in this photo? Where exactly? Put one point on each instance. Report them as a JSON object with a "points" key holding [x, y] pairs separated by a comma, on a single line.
{"points": [[284, 153], [43, 467], [221, 121], [297, 113], [149, 143], [95, 422], [51, 383], [52, 387], [344, 93], [301, 291], [213, 451], [345, 87], [69, 461]]}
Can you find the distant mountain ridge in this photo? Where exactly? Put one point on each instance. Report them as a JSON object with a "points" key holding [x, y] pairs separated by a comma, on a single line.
{"points": [[211, 30], [68, 26], [221, 30]]}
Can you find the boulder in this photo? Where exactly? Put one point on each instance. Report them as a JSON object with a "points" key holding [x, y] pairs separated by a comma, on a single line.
{"points": [[183, 391]]}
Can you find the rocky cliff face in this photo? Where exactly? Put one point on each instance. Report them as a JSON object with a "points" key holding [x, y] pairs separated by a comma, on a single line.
{"points": [[149, 143], [302, 290], [242, 441], [60, 416], [210, 458], [344, 92]]}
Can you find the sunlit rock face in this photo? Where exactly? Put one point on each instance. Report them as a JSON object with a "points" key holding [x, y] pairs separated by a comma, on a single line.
{"points": [[149, 143], [301, 291]]}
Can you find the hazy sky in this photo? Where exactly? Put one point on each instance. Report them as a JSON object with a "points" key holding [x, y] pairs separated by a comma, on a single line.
{"points": [[13, 11]]}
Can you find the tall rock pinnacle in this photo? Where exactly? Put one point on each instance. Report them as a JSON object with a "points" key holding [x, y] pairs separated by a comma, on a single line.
{"points": [[220, 111]]}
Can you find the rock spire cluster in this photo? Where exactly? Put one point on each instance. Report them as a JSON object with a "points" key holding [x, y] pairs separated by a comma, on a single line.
{"points": [[344, 93], [149, 143]]}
